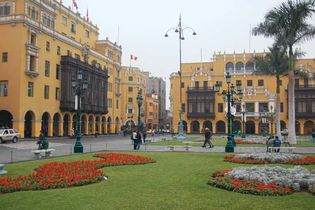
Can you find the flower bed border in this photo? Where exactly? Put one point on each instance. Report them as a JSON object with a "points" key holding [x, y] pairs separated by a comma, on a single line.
{"points": [[308, 160], [56, 175], [253, 187]]}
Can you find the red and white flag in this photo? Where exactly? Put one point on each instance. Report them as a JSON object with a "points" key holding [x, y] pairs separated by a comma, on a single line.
{"points": [[74, 3], [133, 57]]}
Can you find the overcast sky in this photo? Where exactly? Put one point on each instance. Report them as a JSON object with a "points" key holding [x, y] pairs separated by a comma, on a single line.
{"points": [[139, 26]]}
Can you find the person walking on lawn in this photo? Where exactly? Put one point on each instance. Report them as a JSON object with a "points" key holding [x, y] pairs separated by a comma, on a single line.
{"points": [[208, 135]]}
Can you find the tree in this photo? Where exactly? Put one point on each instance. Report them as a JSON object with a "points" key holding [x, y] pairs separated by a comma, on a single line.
{"points": [[288, 25], [274, 63]]}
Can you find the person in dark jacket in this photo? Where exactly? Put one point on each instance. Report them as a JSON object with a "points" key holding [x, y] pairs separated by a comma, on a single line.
{"points": [[138, 140], [277, 143], [208, 135]]}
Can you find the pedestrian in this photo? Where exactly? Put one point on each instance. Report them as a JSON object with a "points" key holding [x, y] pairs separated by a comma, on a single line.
{"points": [[133, 138], [72, 133], [138, 140], [144, 134], [42, 142], [208, 135], [277, 143]]}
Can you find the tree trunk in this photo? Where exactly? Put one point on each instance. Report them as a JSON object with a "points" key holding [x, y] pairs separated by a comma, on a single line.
{"points": [[278, 108], [291, 99]]}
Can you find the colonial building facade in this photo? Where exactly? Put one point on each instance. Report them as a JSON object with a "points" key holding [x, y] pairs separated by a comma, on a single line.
{"points": [[203, 107], [43, 45]]}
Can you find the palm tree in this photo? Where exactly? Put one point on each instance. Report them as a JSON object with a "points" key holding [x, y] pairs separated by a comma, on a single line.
{"points": [[274, 63], [288, 24]]}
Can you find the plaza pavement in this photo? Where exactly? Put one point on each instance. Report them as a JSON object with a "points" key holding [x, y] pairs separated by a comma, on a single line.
{"points": [[22, 151]]}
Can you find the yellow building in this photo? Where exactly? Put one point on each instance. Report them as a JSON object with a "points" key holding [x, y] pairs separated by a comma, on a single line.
{"points": [[203, 107], [42, 44], [132, 80], [152, 112]]}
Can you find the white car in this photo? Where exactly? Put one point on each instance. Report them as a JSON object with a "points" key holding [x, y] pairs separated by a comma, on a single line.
{"points": [[9, 135]]}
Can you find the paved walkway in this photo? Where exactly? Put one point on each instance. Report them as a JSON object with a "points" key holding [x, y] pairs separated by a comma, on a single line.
{"points": [[22, 151]]}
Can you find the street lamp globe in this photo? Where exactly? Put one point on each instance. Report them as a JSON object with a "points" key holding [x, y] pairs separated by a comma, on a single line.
{"points": [[228, 77]]}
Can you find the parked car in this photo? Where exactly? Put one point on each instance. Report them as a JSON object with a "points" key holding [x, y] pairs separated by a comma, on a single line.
{"points": [[9, 135]]}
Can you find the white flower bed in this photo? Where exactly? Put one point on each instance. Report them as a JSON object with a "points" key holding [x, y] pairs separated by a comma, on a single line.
{"points": [[297, 178], [270, 157]]}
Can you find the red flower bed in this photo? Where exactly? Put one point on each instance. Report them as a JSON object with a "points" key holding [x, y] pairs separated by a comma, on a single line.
{"points": [[304, 161], [62, 175], [254, 187], [239, 141]]}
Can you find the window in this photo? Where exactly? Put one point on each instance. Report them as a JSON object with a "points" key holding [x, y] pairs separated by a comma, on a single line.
{"points": [[260, 82], [32, 66], [58, 72], [58, 94], [47, 68], [5, 9], [109, 103], [263, 107], [183, 85], [239, 67], [281, 107], [47, 46], [32, 13], [30, 89], [46, 92], [130, 89], [64, 20], [33, 39], [130, 111], [87, 33], [249, 67], [249, 83], [229, 67], [3, 88], [301, 106], [250, 107], [220, 107], [205, 84], [305, 82], [297, 82], [219, 83], [72, 27], [48, 21], [58, 50], [130, 100], [5, 57], [239, 82], [130, 78], [196, 84], [117, 104]]}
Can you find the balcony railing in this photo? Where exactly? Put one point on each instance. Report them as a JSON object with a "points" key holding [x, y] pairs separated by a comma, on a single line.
{"points": [[304, 87], [200, 89]]}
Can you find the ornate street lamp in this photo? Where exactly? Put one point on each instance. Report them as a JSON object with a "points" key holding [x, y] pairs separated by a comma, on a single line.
{"points": [[79, 86], [139, 101], [243, 112], [229, 95], [180, 30]]}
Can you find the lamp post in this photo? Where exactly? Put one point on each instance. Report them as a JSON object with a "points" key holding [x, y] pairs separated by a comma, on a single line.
{"points": [[79, 86], [243, 112], [180, 30], [139, 101], [229, 95]]}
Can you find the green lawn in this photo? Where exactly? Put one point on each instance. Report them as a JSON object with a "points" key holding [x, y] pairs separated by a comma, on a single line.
{"points": [[175, 181]]}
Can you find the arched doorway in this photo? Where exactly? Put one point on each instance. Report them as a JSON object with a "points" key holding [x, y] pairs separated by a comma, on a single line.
{"points": [[91, 121], [283, 125], [66, 125], [130, 125], [84, 123], [207, 124], [56, 121], [109, 122], [74, 123], [97, 122], [28, 124], [117, 124], [237, 127], [6, 119], [308, 127], [195, 127], [103, 128], [297, 127], [250, 127], [220, 127], [45, 123]]}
